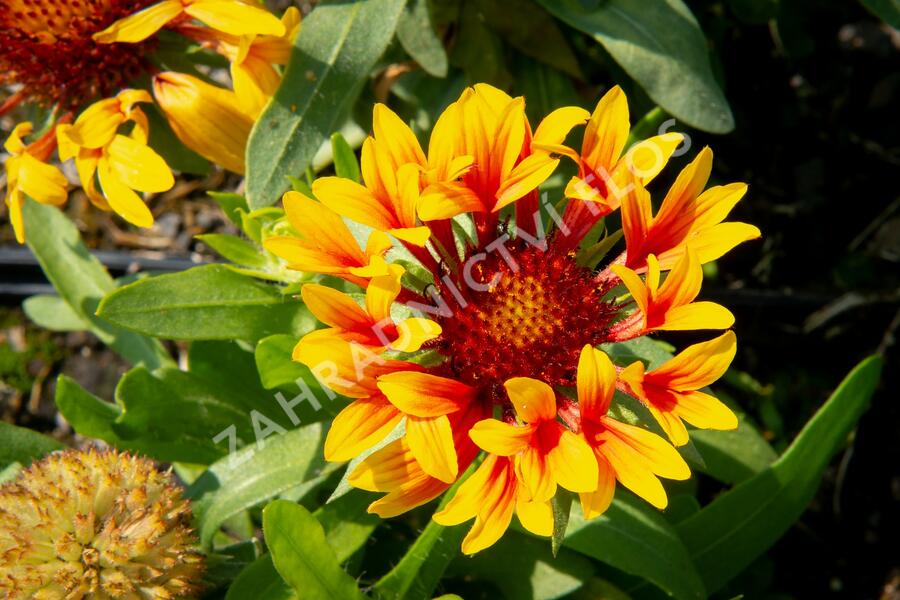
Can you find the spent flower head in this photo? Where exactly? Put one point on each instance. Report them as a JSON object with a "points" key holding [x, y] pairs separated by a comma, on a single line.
{"points": [[96, 524]]}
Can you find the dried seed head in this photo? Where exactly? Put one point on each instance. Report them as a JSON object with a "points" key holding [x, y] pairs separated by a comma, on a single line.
{"points": [[96, 524]]}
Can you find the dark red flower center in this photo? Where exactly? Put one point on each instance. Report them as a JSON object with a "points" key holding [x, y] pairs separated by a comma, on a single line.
{"points": [[527, 313], [46, 47]]}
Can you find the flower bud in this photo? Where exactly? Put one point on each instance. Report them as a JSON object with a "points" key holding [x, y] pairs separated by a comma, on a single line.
{"points": [[206, 118]]}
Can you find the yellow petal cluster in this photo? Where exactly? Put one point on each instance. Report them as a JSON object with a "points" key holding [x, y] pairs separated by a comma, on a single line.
{"points": [[28, 175], [122, 163]]}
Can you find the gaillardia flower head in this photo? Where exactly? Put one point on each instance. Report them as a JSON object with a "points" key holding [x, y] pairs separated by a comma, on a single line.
{"points": [[96, 524], [489, 341], [47, 48]]}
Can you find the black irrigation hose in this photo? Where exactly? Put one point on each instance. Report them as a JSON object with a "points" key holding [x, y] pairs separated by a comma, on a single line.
{"points": [[21, 276]]}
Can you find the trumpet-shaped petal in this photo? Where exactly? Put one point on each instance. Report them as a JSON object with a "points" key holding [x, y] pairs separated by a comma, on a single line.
{"points": [[413, 333], [28, 174], [348, 368], [491, 495], [42, 182], [633, 456], [639, 458], [371, 326], [394, 469], [235, 17], [207, 119], [596, 382], [392, 164], [425, 395], [359, 426], [607, 130], [229, 16], [430, 440], [502, 439], [326, 244], [671, 390], [121, 163], [122, 198], [142, 24], [546, 453], [671, 306], [687, 217], [97, 125], [137, 166]]}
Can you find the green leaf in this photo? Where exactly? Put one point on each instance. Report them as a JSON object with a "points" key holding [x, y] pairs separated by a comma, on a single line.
{"points": [[274, 363], [53, 313], [729, 533], [235, 249], [92, 417], [345, 163], [302, 555], [82, 281], [417, 36], [347, 524], [338, 45], [478, 50], [9, 472], [521, 566], [230, 371], [209, 302], [420, 569], [592, 255], [149, 401], [660, 45], [257, 473], [532, 32], [347, 528], [886, 10], [732, 456], [634, 538], [544, 87], [260, 581], [87, 414], [21, 445], [233, 205], [562, 508]]}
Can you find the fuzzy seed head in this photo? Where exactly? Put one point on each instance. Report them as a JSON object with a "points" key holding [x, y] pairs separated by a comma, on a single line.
{"points": [[96, 524]]}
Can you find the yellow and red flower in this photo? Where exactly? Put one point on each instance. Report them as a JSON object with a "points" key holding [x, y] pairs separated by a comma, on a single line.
{"points": [[670, 306], [688, 217], [672, 390], [65, 53], [508, 321]]}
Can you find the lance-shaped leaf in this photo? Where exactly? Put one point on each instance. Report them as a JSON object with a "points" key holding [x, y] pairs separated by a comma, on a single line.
{"points": [[81, 281], [728, 534], [302, 556], [21, 445], [257, 473], [334, 52], [661, 46], [209, 302]]}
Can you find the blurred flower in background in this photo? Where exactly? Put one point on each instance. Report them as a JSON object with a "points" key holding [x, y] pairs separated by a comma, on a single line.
{"points": [[62, 57]]}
